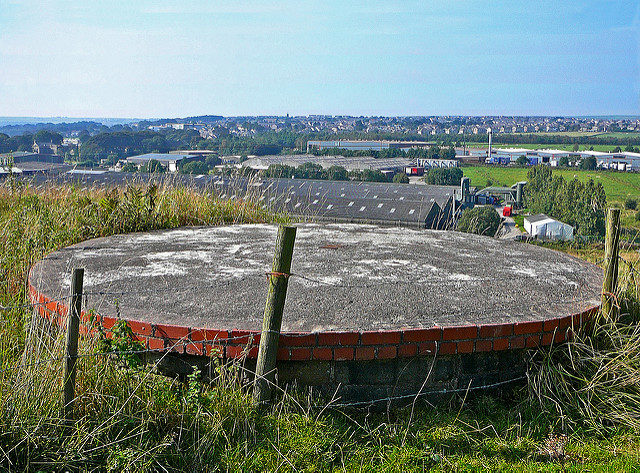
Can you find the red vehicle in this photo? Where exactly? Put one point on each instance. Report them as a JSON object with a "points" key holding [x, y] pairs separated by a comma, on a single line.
{"points": [[506, 211]]}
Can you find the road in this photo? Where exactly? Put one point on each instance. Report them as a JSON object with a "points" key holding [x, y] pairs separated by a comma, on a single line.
{"points": [[508, 230]]}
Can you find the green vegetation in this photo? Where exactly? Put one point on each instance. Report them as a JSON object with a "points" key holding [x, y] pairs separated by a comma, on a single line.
{"points": [[481, 220], [562, 146], [315, 171], [580, 205], [617, 185], [444, 176], [401, 178], [130, 419], [630, 204], [153, 166]]}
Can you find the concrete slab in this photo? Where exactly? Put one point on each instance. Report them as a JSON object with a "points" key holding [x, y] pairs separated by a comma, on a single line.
{"points": [[346, 277]]}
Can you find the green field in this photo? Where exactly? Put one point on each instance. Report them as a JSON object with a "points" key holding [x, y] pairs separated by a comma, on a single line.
{"points": [[565, 147], [618, 186]]}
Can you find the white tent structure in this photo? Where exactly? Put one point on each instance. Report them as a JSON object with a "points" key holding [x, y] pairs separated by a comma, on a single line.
{"points": [[541, 226]]}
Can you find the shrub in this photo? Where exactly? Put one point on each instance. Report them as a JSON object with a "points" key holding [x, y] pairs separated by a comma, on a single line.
{"points": [[481, 220], [638, 215], [576, 203], [401, 178], [630, 204], [444, 176]]}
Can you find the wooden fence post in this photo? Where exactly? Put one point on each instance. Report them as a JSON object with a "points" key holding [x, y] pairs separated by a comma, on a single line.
{"points": [[278, 282], [611, 248], [71, 342]]}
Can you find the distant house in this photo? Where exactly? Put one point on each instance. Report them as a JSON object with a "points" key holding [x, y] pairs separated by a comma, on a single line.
{"points": [[41, 147], [547, 228], [51, 149]]}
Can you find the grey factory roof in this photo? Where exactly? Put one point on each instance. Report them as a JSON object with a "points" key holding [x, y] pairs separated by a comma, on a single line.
{"points": [[40, 166], [344, 201], [347, 200], [162, 157], [349, 163], [18, 154]]}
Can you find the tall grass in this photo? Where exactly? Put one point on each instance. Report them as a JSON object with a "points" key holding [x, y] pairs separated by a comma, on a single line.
{"points": [[129, 419], [594, 379]]}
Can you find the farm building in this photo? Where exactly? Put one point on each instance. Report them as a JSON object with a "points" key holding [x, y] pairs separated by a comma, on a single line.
{"points": [[542, 226]]}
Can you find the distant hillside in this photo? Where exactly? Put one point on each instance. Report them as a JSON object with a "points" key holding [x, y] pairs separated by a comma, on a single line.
{"points": [[13, 126]]}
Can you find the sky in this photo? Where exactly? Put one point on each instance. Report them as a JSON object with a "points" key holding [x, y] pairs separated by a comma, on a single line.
{"points": [[183, 58]]}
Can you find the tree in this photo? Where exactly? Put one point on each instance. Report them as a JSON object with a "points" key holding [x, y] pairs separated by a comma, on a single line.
{"points": [[588, 163], [630, 204], [45, 136], [563, 161], [369, 175], [401, 178], [481, 220], [576, 147], [336, 173], [579, 204], [153, 166], [309, 171], [194, 167], [444, 176], [522, 161], [280, 171], [129, 167]]}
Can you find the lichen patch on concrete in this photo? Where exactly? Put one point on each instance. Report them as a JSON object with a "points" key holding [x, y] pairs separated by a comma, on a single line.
{"points": [[345, 277]]}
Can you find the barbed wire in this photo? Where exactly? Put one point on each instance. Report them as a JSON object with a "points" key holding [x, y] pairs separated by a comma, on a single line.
{"points": [[430, 393]]}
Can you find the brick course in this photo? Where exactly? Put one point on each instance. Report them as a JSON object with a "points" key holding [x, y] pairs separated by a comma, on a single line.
{"points": [[332, 346]]}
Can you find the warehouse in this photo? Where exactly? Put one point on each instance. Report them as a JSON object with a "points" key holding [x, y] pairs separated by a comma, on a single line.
{"points": [[624, 161], [547, 228], [362, 145], [167, 160], [349, 163]]}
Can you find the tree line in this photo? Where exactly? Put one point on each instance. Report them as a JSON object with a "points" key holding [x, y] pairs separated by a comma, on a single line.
{"points": [[581, 205], [333, 173], [24, 142]]}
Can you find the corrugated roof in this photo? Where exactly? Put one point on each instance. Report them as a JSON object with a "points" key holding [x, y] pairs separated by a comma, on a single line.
{"points": [[537, 218], [158, 157]]}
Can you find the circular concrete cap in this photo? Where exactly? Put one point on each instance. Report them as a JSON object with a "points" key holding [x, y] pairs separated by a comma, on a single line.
{"points": [[345, 277]]}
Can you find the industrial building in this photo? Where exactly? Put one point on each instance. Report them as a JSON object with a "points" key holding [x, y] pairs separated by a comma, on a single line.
{"points": [[194, 152], [349, 163], [364, 145], [547, 228], [510, 195], [429, 163], [420, 206], [167, 160]]}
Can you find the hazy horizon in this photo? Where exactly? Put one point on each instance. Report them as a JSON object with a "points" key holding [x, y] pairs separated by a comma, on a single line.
{"points": [[377, 58]]}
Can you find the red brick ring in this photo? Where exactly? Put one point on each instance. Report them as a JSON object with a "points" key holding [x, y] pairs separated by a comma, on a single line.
{"points": [[337, 346]]}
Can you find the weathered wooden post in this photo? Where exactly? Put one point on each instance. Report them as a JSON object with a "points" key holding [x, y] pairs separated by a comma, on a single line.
{"points": [[278, 282], [611, 248], [71, 342]]}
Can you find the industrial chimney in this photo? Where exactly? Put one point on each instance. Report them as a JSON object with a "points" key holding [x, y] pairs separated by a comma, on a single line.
{"points": [[490, 133]]}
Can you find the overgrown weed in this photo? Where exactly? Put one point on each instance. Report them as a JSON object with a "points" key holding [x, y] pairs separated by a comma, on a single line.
{"points": [[127, 418]]}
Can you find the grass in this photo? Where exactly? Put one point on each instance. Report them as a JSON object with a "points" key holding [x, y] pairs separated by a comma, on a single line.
{"points": [[129, 419], [617, 185], [561, 146]]}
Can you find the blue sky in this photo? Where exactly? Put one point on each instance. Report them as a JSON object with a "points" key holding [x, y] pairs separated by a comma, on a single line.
{"points": [[170, 59]]}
